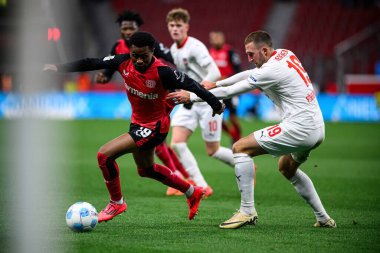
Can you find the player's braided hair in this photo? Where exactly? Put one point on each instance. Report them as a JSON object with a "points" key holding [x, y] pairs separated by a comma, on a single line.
{"points": [[130, 16], [142, 39], [259, 38]]}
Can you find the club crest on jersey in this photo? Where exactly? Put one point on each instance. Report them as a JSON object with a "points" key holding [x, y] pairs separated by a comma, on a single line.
{"points": [[125, 73], [150, 83], [185, 61], [107, 58]]}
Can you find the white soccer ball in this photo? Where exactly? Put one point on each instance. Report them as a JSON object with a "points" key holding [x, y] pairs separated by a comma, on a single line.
{"points": [[82, 217]]}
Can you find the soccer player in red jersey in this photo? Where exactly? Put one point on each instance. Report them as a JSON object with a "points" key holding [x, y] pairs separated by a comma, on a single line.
{"points": [[129, 23], [147, 82], [228, 62]]}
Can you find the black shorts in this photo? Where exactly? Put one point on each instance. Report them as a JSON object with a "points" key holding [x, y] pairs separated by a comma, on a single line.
{"points": [[146, 138]]}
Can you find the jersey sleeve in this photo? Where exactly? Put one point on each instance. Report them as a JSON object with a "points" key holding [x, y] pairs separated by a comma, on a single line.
{"points": [[263, 78], [162, 52], [233, 79], [109, 62], [201, 55], [113, 49], [174, 79], [227, 92], [109, 72]]}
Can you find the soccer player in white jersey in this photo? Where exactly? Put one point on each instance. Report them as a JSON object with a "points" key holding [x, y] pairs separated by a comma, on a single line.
{"points": [[192, 57], [280, 75]]}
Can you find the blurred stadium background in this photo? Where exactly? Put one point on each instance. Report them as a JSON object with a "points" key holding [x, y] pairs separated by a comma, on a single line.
{"points": [[338, 42]]}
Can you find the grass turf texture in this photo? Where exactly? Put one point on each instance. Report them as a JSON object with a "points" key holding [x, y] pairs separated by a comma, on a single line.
{"points": [[345, 170]]}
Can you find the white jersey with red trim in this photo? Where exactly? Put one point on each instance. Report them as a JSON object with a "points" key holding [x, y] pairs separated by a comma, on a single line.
{"points": [[283, 79], [192, 57]]}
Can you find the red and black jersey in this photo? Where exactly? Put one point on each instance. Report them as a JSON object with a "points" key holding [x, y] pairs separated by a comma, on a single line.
{"points": [[226, 59], [146, 94], [146, 91], [121, 47]]}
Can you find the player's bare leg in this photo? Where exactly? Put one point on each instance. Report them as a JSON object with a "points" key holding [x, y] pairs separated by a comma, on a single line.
{"points": [[305, 188]]}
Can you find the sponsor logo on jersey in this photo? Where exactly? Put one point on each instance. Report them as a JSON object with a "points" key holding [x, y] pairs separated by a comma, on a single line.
{"points": [[179, 75], [253, 78], [150, 83], [140, 94], [107, 58]]}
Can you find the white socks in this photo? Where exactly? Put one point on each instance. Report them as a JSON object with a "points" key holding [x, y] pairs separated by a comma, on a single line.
{"points": [[121, 201], [188, 161], [304, 186], [225, 155], [244, 177]]}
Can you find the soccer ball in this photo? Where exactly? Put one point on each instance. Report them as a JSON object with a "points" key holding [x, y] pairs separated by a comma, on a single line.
{"points": [[82, 217]]}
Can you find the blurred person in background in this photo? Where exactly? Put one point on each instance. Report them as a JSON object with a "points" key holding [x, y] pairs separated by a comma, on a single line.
{"points": [[192, 57], [129, 23], [147, 82], [228, 62], [280, 75]]}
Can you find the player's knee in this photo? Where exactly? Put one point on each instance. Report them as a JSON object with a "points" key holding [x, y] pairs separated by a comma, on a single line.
{"points": [[211, 150], [103, 150], [210, 153], [108, 166], [102, 158], [288, 173], [237, 147], [287, 166]]}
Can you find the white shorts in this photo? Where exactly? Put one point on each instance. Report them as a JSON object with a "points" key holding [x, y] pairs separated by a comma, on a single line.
{"points": [[211, 127], [286, 138]]}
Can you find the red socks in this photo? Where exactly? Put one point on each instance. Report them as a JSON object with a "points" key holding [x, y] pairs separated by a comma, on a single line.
{"points": [[170, 159], [110, 172], [163, 153], [165, 176]]}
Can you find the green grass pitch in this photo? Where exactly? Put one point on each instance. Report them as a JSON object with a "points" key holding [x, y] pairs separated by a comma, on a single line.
{"points": [[345, 170]]}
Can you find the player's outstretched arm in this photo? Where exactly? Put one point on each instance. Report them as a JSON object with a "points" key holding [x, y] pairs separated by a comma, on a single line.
{"points": [[233, 79], [173, 79], [88, 64], [241, 87]]}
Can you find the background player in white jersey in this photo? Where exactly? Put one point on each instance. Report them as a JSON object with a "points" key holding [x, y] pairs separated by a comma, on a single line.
{"points": [[280, 75], [192, 57]]}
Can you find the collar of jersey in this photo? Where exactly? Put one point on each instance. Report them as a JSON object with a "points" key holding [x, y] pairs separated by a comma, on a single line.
{"points": [[183, 43]]}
